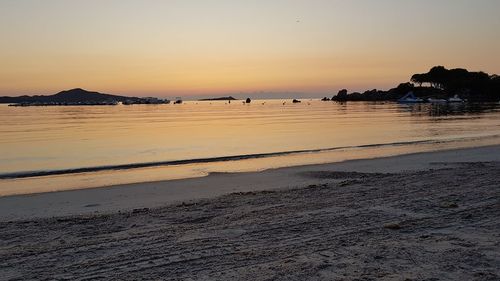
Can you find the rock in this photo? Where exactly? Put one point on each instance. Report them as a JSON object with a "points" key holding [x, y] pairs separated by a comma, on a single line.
{"points": [[341, 95], [392, 225]]}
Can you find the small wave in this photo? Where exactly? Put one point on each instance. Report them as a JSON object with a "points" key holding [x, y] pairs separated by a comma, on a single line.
{"points": [[29, 174]]}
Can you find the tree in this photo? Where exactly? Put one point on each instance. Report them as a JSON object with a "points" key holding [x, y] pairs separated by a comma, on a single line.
{"points": [[437, 76], [417, 78]]}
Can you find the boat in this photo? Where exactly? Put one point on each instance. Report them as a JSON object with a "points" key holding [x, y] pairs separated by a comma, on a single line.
{"points": [[432, 100], [178, 100], [455, 98], [295, 101], [410, 98]]}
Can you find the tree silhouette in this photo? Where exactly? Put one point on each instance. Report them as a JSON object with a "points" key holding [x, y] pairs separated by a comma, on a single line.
{"points": [[444, 83]]}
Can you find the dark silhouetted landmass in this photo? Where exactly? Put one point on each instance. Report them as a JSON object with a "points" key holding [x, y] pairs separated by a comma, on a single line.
{"points": [[439, 83], [77, 97], [220, 98]]}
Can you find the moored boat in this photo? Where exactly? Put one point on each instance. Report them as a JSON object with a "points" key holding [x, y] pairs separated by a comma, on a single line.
{"points": [[410, 98], [455, 98], [432, 100], [178, 100]]}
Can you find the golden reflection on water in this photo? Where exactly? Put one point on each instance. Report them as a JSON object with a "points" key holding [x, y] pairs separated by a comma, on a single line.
{"points": [[51, 138], [152, 174]]}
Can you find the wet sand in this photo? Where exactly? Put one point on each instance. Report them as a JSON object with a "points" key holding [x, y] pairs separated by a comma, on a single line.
{"points": [[127, 197], [426, 216]]}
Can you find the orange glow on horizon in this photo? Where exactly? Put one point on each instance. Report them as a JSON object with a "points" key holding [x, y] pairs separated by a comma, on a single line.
{"points": [[188, 48]]}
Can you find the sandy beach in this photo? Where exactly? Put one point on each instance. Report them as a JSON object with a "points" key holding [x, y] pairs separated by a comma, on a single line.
{"points": [[424, 216], [250, 140]]}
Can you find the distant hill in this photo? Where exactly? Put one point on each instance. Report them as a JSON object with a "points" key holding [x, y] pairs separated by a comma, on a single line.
{"points": [[220, 98], [69, 96]]}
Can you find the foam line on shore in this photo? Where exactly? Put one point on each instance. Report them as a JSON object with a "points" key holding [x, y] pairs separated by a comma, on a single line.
{"points": [[29, 174]]}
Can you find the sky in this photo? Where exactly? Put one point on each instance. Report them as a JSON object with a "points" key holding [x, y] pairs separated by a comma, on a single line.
{"points": [[217, 47]]}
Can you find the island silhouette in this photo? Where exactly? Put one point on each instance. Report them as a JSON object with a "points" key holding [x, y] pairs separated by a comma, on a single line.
{"points": [[229, 98], [437, 83], [78, 96]]}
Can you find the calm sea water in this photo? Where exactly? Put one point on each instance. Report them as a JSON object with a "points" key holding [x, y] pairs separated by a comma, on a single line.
{"points": [[200, 137]]}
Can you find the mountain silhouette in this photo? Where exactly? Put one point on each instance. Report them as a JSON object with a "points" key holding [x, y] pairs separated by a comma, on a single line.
{"points": [[68, 96]]}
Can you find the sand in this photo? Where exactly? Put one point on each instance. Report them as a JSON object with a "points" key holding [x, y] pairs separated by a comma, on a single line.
{"points": [[156, 194], [426, 216]]}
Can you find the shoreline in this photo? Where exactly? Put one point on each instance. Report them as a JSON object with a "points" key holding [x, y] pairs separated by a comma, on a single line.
{"points": [[126, 197], [130, 166], [425, 216]]}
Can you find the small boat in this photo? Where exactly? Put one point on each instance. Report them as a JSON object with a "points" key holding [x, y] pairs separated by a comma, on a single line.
{"points": [[178, 100], [410, 98], [295, 101], [455, 98], [431, 100]]}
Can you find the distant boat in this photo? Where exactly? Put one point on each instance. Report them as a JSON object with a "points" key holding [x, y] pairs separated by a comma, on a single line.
{"points": [[248, 100], [410, 98], [178, 101], [295, 101], [431, 100], [455, 98]]}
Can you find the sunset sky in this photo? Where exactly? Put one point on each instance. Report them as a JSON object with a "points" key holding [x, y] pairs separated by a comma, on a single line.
{"points": [[186, 47]]}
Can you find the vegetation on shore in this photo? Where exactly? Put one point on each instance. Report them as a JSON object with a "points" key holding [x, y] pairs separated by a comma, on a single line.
{"points": [[439, 82]]}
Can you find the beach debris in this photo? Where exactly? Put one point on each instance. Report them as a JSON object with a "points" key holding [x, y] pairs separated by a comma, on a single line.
{"points": [[140, 210], [392, 225], [187, 204], [348, 182], [91, 205], [449, 205], [344, 183]]}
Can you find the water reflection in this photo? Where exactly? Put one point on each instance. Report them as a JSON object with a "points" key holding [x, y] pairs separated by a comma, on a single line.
{"points": [[450, 109], [55, 138]]}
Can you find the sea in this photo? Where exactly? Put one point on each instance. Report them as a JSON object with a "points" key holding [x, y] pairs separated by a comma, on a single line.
{"points": [[56, 148]]}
